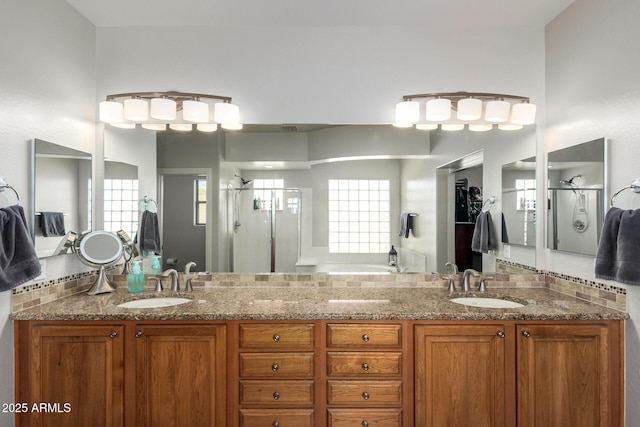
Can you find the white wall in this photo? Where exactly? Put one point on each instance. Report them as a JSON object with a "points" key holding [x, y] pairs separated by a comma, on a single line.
{"points": [[47, 88], [593, 91]]}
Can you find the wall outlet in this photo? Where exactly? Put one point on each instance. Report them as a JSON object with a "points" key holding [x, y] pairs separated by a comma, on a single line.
{"points": [[506, 251]]}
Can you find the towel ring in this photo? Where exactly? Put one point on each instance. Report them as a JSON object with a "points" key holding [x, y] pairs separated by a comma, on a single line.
{"points": [[148, 200], [4, 186], [635, 187], [490, 201]]}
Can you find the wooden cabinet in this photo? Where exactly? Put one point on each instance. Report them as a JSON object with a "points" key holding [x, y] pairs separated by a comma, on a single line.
{"points": [[75, 371], [568, 375], [180, 375], [460, 376]]}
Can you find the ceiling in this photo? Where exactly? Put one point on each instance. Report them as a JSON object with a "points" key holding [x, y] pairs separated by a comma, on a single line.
{"points": [[301, 13]]}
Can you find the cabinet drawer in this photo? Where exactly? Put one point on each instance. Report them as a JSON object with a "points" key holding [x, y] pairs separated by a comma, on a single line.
{"points": [[276, 393], [276, 417], [364, 417], [364, 363], [364, 392], [276, 336], [276, 365], [365, 335]]}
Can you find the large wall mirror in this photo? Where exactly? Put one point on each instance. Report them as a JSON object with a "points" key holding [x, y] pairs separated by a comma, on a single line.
{"points": [[61, 196], [519, 202], [284, 194], [576, 197]]}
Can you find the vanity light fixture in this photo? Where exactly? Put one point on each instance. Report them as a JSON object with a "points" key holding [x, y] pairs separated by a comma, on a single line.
{"points": [[453, 110], [178, 110]]}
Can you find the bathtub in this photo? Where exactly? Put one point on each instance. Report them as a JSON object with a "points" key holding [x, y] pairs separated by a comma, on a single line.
{"points": [[354, 268]]}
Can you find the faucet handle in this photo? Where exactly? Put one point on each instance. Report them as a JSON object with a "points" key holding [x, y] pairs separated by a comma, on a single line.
{"points": [[452, 285], [482, 287], [158, 280]]}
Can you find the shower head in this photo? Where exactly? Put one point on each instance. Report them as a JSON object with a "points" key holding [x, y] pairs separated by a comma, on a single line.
{"points": [[570, 181], [244, 182]]}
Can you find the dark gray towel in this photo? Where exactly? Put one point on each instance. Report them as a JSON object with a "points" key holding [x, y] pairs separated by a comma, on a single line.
{"points": [[484, 234], [149, 235], [505, 234], [628, 248], [52, 224], [607, 254], [18, 260], [406, 224]]}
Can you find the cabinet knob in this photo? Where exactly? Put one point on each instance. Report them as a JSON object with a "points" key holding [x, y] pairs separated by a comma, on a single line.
{"points": [[276, 424], [138, 334], [365, 424], [276, 338], [113, 334], [275, 367], [527, 334], [365, 338], [501, 334], [365, 395], [365, 367], [276, 396]]}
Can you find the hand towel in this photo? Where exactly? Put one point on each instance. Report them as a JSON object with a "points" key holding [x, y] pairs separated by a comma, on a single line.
{"points": [[52, 224], [406, 225], [628, 249], [484, 234], [18, 260], [149, 234], [505, 234], [607, 254]]}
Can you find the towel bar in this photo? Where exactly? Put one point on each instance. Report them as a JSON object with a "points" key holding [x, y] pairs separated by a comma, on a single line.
{"points": [[4, 185], [635, 187]]}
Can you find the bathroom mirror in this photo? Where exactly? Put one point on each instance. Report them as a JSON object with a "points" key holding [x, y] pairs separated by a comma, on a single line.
{"points": [[61, 196], [519, 202], [576, 197]]}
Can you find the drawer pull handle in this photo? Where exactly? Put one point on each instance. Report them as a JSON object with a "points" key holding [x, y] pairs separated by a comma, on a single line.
{"points": [[365, 424], [275, 367], [276, 338], [276, 396], [138, 334], [113, 334], [365, 395], [365, 367], [276, 424], [527, 334], [365, 338], [501, 334]]}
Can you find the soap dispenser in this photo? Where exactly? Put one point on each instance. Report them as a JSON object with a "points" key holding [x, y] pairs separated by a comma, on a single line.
{"points": [[156, 268], [135, 279]]}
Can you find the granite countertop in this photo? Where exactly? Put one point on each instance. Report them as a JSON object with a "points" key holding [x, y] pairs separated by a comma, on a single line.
{"points": [[326, 303]]}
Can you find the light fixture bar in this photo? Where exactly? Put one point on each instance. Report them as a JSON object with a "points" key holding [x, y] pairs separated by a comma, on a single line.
{"points": [[176, 96], [457, 96]]}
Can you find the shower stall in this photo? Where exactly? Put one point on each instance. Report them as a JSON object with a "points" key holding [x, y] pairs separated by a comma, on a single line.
{"points": [[265, 229]]}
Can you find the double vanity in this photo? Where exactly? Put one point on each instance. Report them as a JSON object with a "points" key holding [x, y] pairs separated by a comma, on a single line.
{"points": [[323, 350]]}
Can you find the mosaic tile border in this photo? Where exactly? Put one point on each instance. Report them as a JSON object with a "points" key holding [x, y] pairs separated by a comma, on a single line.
{"points": [[586, 282]]}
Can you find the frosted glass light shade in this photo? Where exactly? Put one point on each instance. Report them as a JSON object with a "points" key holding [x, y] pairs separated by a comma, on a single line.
{"points": [[438, 109], [163, 109], [182, 127], [509, 126], [480, 127], [402, 125], [232, 126], [195, 111], [207, 127], [469, 109], [452, 126], [154, 126], [427, 126], [124, 125], [523, 113], [225, 112], [497, 111], [407, 112], [111, 112], [136, 110]]}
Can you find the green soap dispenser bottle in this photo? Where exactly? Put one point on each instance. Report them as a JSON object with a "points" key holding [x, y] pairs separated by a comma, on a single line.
{"points": [[156, 268], [135, 279]]}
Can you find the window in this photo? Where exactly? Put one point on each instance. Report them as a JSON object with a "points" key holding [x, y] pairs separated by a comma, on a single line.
{"points": [[121, 205], [359, 216], [262, 193], [526, 194], [200, 201]]}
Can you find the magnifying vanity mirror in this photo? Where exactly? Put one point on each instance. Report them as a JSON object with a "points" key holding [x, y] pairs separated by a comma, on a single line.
{"points": [[100, 249], [519, 202], [61, 196], [576, 199]]}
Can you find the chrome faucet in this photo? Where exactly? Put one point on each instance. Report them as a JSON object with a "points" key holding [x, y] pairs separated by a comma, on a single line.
{"points": [[187, 267], [452, 266], [175, 286], [466, 287]]}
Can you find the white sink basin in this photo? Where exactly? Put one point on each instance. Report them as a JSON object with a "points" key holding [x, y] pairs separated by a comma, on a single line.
{"points": [[154, 302], [486, 302]]}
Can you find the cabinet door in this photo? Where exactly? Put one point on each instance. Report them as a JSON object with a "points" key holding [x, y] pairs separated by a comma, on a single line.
{"points": [[181, 375], [77, 373], [459, 376], [562, 375]]}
